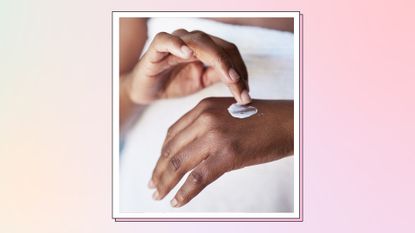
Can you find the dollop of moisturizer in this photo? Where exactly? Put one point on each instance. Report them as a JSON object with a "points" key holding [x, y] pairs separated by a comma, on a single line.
{"points": [[241, 111]]}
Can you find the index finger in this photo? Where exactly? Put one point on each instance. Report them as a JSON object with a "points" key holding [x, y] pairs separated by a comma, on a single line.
{"points": [[164, 44]]}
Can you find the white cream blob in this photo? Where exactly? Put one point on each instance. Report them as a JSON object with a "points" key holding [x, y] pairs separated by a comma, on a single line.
{"points": [[241, 111]]}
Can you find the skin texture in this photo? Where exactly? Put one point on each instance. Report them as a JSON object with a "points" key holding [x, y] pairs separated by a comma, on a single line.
{"points": [[180, 64], [202, 141], [184, 62], [209, 142], [185, 77]]}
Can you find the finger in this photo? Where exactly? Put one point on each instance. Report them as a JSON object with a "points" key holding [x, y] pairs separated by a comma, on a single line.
{"points": [[171, 148], [170, 61], [180, 32], [205, 49], [164, 44], [178, 165], [237, 89], [234, 53], [191, 77], [210, 54], [239, 65], [183, 124], [205, 173], [186, 120], [210, 76], [185, 79]]}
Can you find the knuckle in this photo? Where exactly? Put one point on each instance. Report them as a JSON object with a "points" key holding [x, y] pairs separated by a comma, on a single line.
{"points": [[199, 177], [231, 160], [161, 35], [180, 30], [207, 117], [175, 40], [165, 152], [220, 58], [232, 47], [164, 37], [206, 102], [175, 163], [215, 134], [182, 196], [198, 33], [231, 149]]}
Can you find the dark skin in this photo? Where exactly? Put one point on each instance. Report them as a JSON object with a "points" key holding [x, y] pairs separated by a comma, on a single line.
{"points": [[184, 62], [179, 64], [133, 35], [209, 142]]}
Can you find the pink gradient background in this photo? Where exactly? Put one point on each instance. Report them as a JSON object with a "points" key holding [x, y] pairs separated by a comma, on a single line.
{"points": [[55, 133]]}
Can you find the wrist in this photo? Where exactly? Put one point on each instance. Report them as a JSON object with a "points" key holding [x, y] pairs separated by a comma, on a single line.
{"points": [[128, 90], [129, 110], [289, 128]]}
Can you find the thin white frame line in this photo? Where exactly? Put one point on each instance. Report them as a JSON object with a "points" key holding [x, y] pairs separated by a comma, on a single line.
{"points": [[115, 113]]}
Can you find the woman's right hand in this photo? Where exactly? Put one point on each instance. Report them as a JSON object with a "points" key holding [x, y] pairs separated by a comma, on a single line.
{"points": [[183, 63]]}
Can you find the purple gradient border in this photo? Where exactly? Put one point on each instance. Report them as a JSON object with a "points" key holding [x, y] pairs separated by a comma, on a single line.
{"points": [[301, 196]]}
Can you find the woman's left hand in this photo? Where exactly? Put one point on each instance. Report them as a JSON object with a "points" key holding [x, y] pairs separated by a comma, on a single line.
{"points": [[209, 142], [183, 63]]}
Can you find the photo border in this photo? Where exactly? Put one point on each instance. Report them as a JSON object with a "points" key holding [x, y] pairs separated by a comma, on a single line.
{"points": [[204, 217]]}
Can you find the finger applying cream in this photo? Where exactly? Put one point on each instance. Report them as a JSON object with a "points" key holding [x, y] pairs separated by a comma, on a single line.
{"points": [[222, 58]]}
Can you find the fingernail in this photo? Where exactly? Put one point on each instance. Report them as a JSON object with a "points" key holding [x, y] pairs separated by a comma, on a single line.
{"points": [[234, 76], [156, 195], [246, 99], [151, 184], [186, 51], [174, 203]]}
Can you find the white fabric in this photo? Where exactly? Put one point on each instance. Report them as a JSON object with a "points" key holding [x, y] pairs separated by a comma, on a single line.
{"points": [[262, 188]]}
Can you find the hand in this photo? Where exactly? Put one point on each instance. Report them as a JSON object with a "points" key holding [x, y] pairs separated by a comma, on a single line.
{"points": [[209, 142], [184, 62]]}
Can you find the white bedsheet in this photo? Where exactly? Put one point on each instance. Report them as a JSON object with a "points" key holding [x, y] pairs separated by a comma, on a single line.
{"points": [[262, 188]]}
